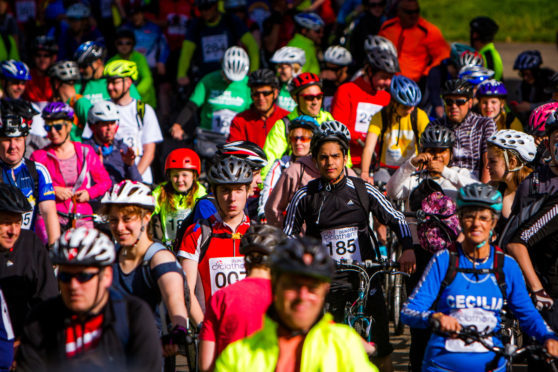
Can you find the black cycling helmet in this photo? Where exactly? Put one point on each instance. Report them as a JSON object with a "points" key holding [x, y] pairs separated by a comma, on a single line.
{"points": [[437, 137], [383, 60], [21, 107], [261, 239], [125, 33], [16, 118], [485, 27], [13, 200], [457, 87], [331, 130], [263, 76], [230, 171], [46, 43], [83, 247], [289, 257], [480, 195], [249, 151]]}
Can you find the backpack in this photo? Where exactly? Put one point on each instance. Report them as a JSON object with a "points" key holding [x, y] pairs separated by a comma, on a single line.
{"points": [[453, 268], [432, 236], [32, 169], [140, 112], [385, 120], [188, 221]]}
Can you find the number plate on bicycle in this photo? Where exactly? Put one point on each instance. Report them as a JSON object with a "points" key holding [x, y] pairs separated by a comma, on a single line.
{"points": [[342, 243], [483, 319], [225, 271]]}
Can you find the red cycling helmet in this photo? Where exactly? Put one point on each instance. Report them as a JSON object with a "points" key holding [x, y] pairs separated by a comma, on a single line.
{"points": [[183, 159], [302, 81], [537, 120]]}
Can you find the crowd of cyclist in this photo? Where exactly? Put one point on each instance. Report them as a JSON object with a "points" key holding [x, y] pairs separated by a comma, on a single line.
{"points": [[189, 173]]}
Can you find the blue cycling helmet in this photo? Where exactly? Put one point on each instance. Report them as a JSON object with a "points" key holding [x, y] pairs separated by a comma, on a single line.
{"points": [[480, 195], [528, 60], [306, 122], [15, 70], [405, 91], [475, 74], [492, 88], [88, 52], [551, 123], [311, 21]]}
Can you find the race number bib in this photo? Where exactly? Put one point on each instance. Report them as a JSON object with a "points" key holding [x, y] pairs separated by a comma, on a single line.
{"points": [[214, 47], [221, 121], [173, 222], [26, 220], [365, 111], [25, 10], [342, 243], [224, 271], [484, 321]]}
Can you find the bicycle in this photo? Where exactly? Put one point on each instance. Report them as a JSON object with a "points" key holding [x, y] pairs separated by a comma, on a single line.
{"points": [[354, 315], [470, 334]]}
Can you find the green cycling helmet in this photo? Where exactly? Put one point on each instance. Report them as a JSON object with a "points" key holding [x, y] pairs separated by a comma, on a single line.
{"points": [[121, 68], [480, 195]]}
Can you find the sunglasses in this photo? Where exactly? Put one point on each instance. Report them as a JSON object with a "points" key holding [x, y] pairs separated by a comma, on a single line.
{"points": [[122, 43], [459, 102], [57, 127], [265, 93], [82, 277], [303, 139], [312, 97], [411, 11]]}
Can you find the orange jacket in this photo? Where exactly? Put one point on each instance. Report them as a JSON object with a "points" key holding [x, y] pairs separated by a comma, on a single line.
{"points": [[419, 48]]}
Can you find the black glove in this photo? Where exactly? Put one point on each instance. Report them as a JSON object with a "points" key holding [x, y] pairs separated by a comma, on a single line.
{"points": [[178, 336], [542, 300]]}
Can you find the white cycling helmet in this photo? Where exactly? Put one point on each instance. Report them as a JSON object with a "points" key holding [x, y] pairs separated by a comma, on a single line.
{"points": [[309, 20], [83, 246], [520, 143], [337, 55], [235, 63], [103, 111], [375, 41], [289, 55], [78, 11], [130, 193]]}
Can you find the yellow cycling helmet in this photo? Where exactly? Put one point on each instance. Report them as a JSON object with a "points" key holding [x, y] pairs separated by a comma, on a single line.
{"points": [[121, 68]]}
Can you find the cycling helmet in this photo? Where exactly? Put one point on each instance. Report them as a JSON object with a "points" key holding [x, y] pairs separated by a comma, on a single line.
{"points": [[291, 257], [78, 11], [83, 246], [46, 43], [520, 143], [470, 58], [88, 52], [551, 122], [130, 193], [289, 55], [457, 87], [234, 4], [16, 118], [121, 68], [57, 111], [235, 63], [528, 60], [552, 84], [337, 55], [12, 200], [15, 70], [125, 33], [249, 151], [457, 49], [304, 121], [302, 81], [66, 71], [262, 239], [492, 88], [310, 20], [183, 159], [230, 171], [485, 27], [475, 74], [480, 195], [537, 120], [376, 41], [437, 137], [405, 91], [331, 130], [18, 107], [103, 111], [261, 77], [383, 60]]}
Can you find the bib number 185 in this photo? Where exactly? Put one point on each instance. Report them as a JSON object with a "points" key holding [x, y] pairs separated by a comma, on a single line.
{"points": [[341, 247]]}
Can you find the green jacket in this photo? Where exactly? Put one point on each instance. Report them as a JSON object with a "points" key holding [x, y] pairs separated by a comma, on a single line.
{"points": [[276, 142], [328, 346], [312, 64], [492, 60], [170, 221]]}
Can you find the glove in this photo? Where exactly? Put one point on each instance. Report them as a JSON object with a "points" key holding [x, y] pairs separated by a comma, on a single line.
{"points": [[178, 336], [542, 300]]}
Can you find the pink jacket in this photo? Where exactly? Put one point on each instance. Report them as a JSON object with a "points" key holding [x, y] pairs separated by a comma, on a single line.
{"points": [[96, 181]]}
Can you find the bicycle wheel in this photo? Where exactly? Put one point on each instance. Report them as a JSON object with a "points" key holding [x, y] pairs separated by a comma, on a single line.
{"points": [[399, 297], [362, 327]]}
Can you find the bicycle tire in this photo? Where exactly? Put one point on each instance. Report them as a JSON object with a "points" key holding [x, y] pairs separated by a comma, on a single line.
{"points": [[360, 327], [399, 297]]}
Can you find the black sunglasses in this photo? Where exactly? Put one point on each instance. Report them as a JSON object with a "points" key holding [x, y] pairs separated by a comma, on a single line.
{"points": [[458, 102], [411, 11], [57, 127], [265, 93], [81, 277]]}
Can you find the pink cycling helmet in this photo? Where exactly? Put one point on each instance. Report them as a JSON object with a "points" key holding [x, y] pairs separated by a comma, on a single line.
{"points": [[538, 117]]}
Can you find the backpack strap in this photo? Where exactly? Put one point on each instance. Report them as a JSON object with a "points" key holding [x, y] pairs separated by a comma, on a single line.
{"points": [[498, 269], [385, 120], [148, 277], [140, 112], [414, 125], [121, 321], [206, 235], [509, 119], [453, 266], [32, 168], [364, 199]]}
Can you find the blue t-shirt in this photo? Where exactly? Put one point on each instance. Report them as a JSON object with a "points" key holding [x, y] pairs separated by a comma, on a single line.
{"points": [[471, 298], [21, 178]]}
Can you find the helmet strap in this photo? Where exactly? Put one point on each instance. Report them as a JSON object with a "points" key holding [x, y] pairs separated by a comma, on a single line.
{"points": [[506, 158]]}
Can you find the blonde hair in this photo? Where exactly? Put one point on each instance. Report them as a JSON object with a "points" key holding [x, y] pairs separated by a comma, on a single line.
{"points": [[519, 175]]}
